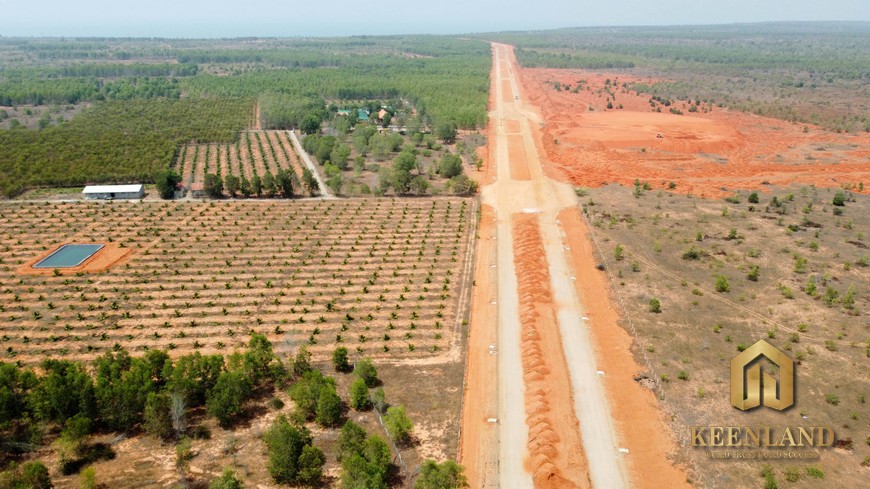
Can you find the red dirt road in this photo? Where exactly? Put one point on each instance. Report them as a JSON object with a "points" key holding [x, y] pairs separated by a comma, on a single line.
{"points": [[635, 409], [557, 459], [563, 424]]}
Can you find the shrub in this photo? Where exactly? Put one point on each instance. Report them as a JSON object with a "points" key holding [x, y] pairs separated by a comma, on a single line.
{"points": [[753, 198], [693, 254], [655, 306], [398, 424], [446, 475], [618, 252], [683, 375], [88, 478], [227, 480], [31, 475], [722, 284], [753, 273], [792, 474], [339, 360], [815, 472], [839, 199], [832, 399]]}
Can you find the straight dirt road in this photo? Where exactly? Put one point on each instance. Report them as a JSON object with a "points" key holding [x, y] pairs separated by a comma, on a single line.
{"points": [[555, 428]]}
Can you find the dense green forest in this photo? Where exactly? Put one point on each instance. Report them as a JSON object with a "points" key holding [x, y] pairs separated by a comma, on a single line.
{"points": [[116, 141], [815, 72], [444, 80]]}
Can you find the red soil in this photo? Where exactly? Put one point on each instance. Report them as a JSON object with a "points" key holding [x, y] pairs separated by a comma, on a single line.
{"points": [[517, 155], [635, 411], [556, 459], [711, 152], [480, 401]]}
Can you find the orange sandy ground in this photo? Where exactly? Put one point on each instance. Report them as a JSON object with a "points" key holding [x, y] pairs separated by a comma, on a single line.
{"points": [[556, 459], [635, 409], [517, 155], [108, 256], [703, 153], [479, 438]]}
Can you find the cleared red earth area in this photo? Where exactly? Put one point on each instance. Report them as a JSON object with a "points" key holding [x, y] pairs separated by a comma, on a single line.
{"points": [[706, 150]]}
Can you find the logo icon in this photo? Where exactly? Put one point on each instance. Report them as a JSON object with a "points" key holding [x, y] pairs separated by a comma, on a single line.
{"points": [[747, 383]]}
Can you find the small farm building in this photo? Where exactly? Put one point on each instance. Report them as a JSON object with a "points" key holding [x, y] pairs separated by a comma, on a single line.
{"points": [[95, 192]]}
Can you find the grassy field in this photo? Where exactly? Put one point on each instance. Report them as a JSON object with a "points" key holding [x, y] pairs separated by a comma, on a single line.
{"points": [[791, 269]]}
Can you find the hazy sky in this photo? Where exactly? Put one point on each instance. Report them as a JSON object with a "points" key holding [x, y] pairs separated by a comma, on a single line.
{"points": [[231, 18]]}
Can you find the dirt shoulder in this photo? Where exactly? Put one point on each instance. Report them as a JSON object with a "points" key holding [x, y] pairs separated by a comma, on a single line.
{"points": [[637, 414]]}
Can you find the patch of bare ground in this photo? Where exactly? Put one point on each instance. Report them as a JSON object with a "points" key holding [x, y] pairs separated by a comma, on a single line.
{"points": [[794, 271], [597, 131]]}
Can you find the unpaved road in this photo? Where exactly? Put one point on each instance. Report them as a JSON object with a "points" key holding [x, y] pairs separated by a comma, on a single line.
{"points": [[324, 190], [521, 188]]}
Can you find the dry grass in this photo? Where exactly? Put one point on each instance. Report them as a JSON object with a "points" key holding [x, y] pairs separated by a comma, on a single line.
{"points": [[688, 346]]}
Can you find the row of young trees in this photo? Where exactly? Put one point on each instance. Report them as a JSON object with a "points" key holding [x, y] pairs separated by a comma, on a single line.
{"points": [[284, 184]]}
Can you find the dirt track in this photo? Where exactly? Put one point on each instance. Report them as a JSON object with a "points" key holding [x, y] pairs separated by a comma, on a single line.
{"points": [[555, 428]]}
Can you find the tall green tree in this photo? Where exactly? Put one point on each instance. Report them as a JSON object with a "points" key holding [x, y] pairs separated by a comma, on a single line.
{"points": [[398, 424], [284, 180], [366, 371], [225, 401], [232, 184], [446, 132], [450, 165], [213, 186], [309, 182], [166, 181], [287, 454], [157, 418], [64, 390], [328, 409]]}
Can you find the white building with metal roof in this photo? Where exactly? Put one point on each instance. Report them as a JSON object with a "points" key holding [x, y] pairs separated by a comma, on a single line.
{"points": [[108, 192]]}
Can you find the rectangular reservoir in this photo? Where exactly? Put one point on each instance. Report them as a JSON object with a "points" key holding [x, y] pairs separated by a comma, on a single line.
{"points": [[68, 256]]}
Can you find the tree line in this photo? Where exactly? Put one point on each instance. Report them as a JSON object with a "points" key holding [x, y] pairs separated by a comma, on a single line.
{"points": [[155, 395]]}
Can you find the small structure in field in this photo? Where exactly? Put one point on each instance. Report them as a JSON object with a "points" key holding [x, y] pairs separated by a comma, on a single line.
{"points": [[108, 192]]}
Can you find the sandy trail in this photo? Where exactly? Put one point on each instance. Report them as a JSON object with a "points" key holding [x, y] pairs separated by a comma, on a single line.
{"points": [[321, 185]]}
